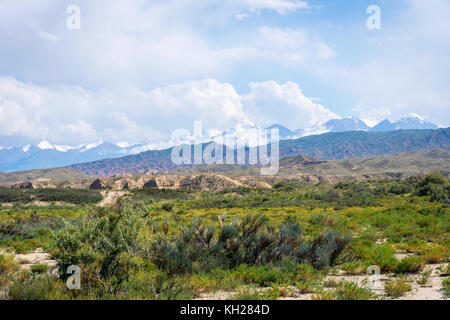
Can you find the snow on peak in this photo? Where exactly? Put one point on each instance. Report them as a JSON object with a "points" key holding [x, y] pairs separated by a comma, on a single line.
{"points": [[45, 145], [63, 148], [123, 144], [26, 148], [86, 147], [415, 116]]}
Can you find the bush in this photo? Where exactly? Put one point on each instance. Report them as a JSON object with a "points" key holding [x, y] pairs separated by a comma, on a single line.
{"points": [[8, 269], [446, 287], [262, 276], [167, 207], [350, 291], [435, 254], [38, 287], [410, 264], [249, 241], [345, 290], [434, 185], [106, 245], [397, 288], [381, 256], [75, 196], [40, 268]]}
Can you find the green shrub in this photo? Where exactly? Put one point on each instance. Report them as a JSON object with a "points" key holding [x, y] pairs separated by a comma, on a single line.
{"points": [[345, 290], [434, 185], [75, 196], [249, 241], [424, 279], [262, 276], [350, 291], [40, 268], [167, 207], [397, 288], [38, 287], [106, 245], [8, 270], [435, 254], [446, 287], [381, 256], [410, 264]]}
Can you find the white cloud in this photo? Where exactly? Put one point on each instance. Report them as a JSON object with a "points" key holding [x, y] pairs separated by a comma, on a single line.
{"points": [[72, 115], [293, 45], [269, 102], [140, 43], [402, 68]]}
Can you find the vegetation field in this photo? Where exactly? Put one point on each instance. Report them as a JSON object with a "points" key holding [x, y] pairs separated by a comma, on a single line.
{"points": [[291, 241]]}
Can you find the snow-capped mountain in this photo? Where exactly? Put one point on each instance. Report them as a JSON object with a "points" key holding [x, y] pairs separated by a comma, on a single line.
{"points": [[384, 125], [412, 121], [47, 155], [345, 124], [283, 132]]}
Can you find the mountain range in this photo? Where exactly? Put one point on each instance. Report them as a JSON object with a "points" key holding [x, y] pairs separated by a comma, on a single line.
{"points": [[47, 155], [328, 146]]}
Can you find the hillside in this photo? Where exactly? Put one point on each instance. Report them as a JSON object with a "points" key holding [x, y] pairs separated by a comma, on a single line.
{"points": [[399, 164], [56, 174], [328, 146]]}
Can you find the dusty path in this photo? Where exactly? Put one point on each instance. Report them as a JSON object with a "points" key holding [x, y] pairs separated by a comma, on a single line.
{"points": [[110, 197]]}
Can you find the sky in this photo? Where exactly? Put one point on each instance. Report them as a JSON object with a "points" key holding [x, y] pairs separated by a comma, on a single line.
{"points": [[135, 71]]}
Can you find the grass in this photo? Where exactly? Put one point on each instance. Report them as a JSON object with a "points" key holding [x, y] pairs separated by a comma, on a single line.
{"points": [[410, 264], [345, 290], [446, 287], [424, 279], [396, 288]]}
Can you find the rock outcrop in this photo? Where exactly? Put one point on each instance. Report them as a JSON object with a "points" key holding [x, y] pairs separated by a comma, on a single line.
{"points": [[98, 185]]}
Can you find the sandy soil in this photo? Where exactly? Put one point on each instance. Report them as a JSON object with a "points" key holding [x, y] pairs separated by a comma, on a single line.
{"points": [[38, 256], [433, 291], [110, 197]]}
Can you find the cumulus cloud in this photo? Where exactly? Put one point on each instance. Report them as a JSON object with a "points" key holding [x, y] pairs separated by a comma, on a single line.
{"points": [[141, 43], [270, 102], [402, 68], [73, 115]]}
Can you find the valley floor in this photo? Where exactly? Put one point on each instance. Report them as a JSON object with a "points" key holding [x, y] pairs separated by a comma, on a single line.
{"points": [[291, 241]]}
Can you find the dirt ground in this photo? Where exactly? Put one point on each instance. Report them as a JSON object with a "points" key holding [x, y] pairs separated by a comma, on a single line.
{"points": [[433, 291]]}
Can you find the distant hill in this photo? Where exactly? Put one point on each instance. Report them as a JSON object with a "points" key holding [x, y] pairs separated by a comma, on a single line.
{"points": [[405, 163], [391, 165], [55, 174], [328, 146]]}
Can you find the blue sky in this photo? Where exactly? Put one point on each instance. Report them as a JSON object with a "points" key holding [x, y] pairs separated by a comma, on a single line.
{"points": [[137, 70]]}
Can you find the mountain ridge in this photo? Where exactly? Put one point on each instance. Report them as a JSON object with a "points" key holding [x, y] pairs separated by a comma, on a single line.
{"points": [[328, 146]]}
